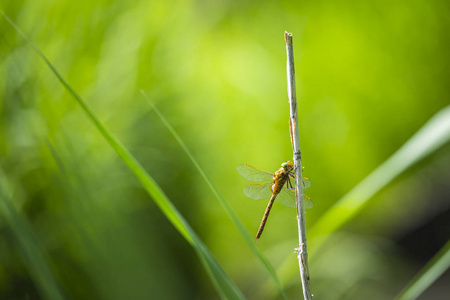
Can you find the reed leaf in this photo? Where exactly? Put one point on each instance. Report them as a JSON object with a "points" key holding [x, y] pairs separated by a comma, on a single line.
{"points": [[432, 271], [237, 222], [32, 254], [224, 285]]}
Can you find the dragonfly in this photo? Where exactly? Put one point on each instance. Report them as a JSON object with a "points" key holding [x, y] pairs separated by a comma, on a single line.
{"points": [[279, 187]]}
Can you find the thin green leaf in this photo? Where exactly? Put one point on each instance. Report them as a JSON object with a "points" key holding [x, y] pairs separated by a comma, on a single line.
{"points": [[224, 285], [433, 135], [29, 246], [432, 271], [237, 222]]}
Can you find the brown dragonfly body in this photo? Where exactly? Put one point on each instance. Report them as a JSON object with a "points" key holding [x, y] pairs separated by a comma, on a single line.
{"points": [[280, 177], [278, 187]]}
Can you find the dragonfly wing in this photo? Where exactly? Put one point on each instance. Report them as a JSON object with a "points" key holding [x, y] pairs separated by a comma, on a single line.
{"points": [[287, 198], [307, 202], [306, 183], [258, 191], [254, 175]]}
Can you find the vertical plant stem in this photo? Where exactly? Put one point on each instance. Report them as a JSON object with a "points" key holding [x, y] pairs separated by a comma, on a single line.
{"points": [[302, 253]]}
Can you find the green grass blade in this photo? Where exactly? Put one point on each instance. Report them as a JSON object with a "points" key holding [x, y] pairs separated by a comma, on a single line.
{"points": [[224, 285], [433, 135], [237, 222], [432, 271], [29, 245]]}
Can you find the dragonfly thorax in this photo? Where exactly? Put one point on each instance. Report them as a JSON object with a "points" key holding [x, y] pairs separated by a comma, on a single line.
{"points": [[279, 179]]}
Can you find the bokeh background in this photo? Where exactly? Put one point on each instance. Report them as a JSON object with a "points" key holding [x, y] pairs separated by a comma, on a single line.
{"points": [[369, 75]]}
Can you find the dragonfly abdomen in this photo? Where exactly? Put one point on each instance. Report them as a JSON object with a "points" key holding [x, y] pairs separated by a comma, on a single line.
{"points": [[265, 217]]}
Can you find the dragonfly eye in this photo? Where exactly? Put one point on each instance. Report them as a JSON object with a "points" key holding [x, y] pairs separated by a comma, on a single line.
{"points": [[287, 165]]}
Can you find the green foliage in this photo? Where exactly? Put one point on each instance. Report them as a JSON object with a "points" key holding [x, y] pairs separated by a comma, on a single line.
{"points": [[237, 222], [432, 136], [432, 271], [225, 286], [369, 76], [29, 246]]}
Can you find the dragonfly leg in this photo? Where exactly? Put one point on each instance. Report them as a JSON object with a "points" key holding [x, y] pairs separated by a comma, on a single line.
{"points": [[292, 172], [289, 185]]}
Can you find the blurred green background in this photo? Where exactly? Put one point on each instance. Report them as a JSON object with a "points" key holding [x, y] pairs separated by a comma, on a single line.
{"points": [[369, 75]]}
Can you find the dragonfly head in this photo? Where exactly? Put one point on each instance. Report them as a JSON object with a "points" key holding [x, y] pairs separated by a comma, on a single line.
{"points": [[287, 165]]}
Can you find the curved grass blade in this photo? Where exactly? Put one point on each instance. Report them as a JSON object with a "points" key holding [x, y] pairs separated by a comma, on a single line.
{"points": [[225, 287], [432, 271], [237, 222], [34, 258], [433, 135]]}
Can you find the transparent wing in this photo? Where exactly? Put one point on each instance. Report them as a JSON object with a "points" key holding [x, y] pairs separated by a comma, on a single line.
{"points": [[287, 198], [308, 202], [306, 183], [253, 174], [258, 191]]}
